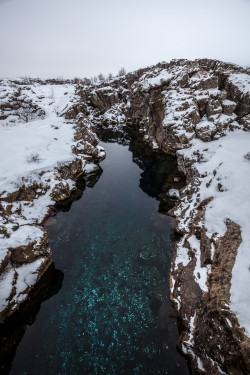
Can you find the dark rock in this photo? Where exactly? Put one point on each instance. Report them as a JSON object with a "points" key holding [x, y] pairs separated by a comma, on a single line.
{"points": [[28, 253]]}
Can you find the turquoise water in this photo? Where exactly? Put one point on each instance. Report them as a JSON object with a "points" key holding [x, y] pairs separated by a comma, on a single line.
{"points": [[110, 313]]}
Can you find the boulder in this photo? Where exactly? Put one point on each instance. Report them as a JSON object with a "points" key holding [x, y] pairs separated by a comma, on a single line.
{"points": [[228, 107]]}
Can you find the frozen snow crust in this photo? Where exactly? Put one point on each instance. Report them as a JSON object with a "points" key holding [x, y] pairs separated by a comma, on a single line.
{"points": [[41, 156], [199, 110]]}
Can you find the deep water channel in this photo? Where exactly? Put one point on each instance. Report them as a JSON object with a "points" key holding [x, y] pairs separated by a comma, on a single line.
{"points": [[109, 312]]}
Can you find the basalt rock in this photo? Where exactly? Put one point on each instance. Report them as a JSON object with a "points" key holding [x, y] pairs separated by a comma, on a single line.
{"points": [[60, 191], [71, 170], [172, 104], [34, 249]]}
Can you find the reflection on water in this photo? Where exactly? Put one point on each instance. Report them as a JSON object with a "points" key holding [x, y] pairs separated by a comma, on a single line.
{"points": [[112, 313]]}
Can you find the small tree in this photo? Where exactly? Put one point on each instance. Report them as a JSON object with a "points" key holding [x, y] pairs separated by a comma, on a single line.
{"points": [[33, 157], [101, 77], [26, 80], [86, 81], [110, 76], [76, 80], [122, 72]]}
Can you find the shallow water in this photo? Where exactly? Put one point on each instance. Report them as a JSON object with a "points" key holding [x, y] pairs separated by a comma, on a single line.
{"points": [[111, 315]]}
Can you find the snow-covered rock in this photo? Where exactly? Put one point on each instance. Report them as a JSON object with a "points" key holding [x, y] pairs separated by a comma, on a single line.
{"points": [[199, 109], [42, 154]]}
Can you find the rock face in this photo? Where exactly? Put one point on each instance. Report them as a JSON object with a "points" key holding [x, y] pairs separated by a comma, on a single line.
{"points": [[181, 106]]}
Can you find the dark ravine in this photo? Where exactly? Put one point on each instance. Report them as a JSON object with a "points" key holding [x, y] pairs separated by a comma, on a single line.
{"points": [[135, 312], [169, 111], [171, 104]]}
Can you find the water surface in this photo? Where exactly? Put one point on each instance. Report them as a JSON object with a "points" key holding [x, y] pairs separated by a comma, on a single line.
{"points": [[111, 315]]}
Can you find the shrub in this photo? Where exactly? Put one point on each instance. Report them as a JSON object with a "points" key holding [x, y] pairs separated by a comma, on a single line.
{"points": [[33, 157], [247, 156], [122, 72]]}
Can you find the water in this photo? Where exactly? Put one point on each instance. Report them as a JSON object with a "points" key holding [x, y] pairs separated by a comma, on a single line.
{"points": [[108, 309]]}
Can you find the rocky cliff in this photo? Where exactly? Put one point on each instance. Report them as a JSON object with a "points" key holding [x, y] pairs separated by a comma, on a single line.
{"points": [[199, 110]]}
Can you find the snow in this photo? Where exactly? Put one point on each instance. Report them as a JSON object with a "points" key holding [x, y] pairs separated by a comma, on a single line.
{"points": [[159, 79], [31, 151], [228, 103], [115, 114], [23, 236], [90, 168], [49, 139], [242, 81], [182, 254], [205, 125], [223, 163], [200, 365], [6, 285], [174, 193], [20, 278], [200, 273], [27, 275]]}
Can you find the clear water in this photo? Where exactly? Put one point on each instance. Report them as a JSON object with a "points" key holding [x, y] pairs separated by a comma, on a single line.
{"points": [[110, 312]]}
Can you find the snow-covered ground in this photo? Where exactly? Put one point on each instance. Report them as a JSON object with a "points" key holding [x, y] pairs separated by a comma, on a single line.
{"points": [[31, 150]]}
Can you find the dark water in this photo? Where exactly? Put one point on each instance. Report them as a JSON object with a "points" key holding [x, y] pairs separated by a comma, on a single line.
{"points": [[108, 310]]}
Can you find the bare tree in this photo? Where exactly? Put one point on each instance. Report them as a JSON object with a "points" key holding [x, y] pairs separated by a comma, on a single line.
{"points": [[76, 80], [110, 76], [86, 81], [26, 80], [122, 72], [101, 77]]}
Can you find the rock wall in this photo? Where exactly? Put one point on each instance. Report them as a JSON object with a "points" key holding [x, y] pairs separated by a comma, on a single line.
{"points": [[175, 105]]}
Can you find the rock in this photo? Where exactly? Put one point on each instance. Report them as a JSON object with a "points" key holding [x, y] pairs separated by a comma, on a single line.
{"points": [[60, 191], [245, 121], [18, 281], [71, 170], [5, 256], [32, 248], [228, 107], [213, 109], [173, 193], [205, 246], [50, 221], [205, 130]]}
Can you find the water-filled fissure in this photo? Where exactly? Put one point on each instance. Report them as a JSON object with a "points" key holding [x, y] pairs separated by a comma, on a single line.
{"points": [[104, 307]]}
